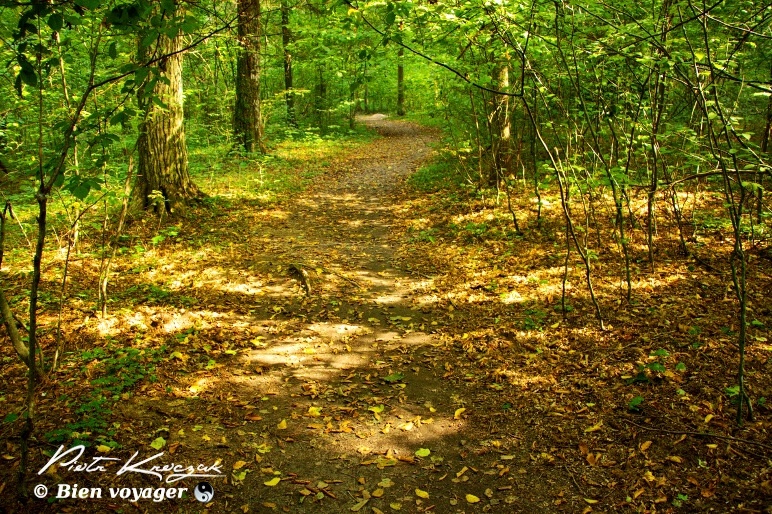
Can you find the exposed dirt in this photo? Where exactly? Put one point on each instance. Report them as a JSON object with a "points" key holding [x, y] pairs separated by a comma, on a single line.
{"points": [[325, 349]]}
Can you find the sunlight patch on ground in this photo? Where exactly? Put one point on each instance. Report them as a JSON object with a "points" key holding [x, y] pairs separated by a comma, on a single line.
{"points": [[334, 332], [512, 297], [253, 288], [389, 299]]}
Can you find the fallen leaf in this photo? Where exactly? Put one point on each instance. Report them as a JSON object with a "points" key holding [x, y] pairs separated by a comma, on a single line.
{"points": [[358, 506], [459, 412], [422, 494], [239, 464], [423, 452], [272, 482], [594, 428], [386, 482], [282, 425], [472, 498]]}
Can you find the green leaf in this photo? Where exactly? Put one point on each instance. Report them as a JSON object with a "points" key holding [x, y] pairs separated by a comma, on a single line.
{"points": [[394, 377], [158, 443], [88, 4], [55, 21], [112, 51], [423, 452], [634, 404], [10, 417], [656, 366], [149, 38]]}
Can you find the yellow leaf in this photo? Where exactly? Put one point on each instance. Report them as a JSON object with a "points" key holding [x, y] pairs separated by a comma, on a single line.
{"points": [[459, 412], [395, 505], [282, 425], [591, 501], [594, 428], [239, 464], [377, 493], [708, 418], [422, 494], [472, 498], [358, 506], [675, 458], [103, 448], [272, 482], [645, 445], [315, 412]]}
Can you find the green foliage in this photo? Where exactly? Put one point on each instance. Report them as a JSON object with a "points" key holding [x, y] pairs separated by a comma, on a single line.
{"points": [[118, 370], [437, 175], [634, 405], [534, 319]]}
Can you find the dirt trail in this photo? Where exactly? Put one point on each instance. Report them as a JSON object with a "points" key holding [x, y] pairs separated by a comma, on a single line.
{"points": [[340, 387]]}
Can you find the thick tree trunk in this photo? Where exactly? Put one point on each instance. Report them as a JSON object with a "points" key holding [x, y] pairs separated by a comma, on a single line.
{"points": [[286, 40], [247, 117], [163, 156]]}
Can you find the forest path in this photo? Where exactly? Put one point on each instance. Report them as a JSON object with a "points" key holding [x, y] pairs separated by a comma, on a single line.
{"points": [[335, 391]]}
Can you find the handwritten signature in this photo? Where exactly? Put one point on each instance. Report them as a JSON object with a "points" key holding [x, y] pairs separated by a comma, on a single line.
{"points": [[170, 473]]}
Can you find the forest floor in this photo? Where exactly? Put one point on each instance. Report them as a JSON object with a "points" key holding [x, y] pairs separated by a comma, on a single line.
{"points": [[371, 347]]}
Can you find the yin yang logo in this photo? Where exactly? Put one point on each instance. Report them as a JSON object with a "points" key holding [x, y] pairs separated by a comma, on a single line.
{"points": [[203, 492]]}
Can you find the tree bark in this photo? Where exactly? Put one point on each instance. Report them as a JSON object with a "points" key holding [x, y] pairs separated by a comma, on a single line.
{"points": [[163, 180], [502, 161], [400, 82], [247, 116], [286, 40]]}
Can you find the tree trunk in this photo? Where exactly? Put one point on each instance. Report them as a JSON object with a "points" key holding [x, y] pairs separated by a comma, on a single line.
{"points": [[502, 160], [247, 118], [400, 82], [163, 156], [286, 39], [320, 101]]}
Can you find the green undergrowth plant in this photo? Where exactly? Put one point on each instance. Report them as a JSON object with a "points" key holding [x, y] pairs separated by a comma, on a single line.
{"points": [[116, 371], [438, 175]]}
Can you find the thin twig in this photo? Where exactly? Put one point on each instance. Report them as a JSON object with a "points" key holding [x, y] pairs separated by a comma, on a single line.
{"points": [[699, 434]]}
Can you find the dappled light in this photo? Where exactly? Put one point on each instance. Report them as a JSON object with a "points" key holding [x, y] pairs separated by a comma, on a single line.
{"points": [[358, 337]]}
